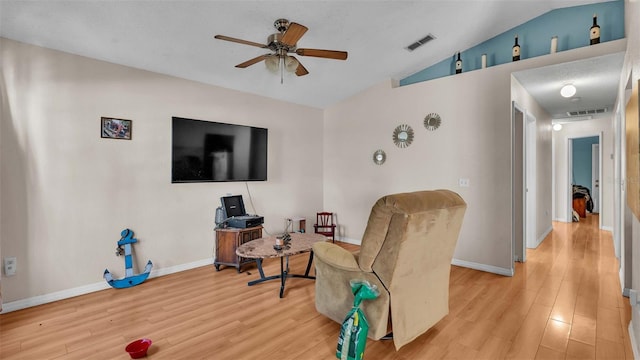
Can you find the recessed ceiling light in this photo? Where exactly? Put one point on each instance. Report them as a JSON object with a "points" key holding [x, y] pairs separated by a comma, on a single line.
{"points": [[568, 91], [557, 127]]}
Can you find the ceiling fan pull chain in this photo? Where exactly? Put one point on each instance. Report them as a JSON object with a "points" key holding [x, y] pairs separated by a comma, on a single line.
{"points": [[281, 70]]}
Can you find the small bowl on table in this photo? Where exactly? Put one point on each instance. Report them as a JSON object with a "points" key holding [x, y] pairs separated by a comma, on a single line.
{"points": [[138, 349]]}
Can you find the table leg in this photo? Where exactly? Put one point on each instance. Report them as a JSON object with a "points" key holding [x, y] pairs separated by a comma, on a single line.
{"points": [[259, 263], [283, 275], [262, 277], [306, 272]]}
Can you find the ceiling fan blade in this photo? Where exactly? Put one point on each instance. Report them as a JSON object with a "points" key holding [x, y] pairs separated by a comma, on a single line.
{"points": [[300, 70], [329, 54], [293, 34], [253, 61], [240, 41]]}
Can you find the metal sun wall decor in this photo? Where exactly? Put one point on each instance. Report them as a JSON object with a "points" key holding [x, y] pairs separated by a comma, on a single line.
{"points": [[379, 157], [403, 136], [432, 121]]}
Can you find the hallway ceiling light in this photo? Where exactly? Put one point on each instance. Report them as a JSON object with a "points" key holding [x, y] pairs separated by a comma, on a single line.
{"points": [[568, 91], [557, 127]]}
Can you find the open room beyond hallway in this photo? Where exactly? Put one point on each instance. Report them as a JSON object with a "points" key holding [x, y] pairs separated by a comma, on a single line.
{"points": [[564, 302]]}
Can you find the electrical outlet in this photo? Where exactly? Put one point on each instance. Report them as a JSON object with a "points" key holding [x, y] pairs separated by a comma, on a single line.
{"points": [[462, 182], [10, 264]]}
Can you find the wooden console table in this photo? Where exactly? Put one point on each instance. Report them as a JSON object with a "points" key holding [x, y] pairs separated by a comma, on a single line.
{"points": [[228, 240]]}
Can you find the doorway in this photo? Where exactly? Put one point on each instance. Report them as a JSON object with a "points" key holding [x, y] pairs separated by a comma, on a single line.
{"points": [[580, 169], [523, 182], [595, 176]]}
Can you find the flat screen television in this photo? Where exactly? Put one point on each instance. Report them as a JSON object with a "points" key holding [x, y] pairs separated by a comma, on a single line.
{"points": [[205, 151]]}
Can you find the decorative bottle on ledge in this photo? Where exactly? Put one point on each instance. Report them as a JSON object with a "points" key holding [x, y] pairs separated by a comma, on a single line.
{"points": [[594, 32], [515, 52], [458, 64]]}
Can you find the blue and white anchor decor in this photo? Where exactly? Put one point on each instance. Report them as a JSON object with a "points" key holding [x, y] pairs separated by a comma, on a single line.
{"points": [[129, 280]]}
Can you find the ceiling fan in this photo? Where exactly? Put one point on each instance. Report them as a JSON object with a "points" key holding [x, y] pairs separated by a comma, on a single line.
{"points": [[282, 44]]}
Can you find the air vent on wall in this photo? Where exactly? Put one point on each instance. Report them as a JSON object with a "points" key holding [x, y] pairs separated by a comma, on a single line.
{"points": [[421, 42], [587, 112]]}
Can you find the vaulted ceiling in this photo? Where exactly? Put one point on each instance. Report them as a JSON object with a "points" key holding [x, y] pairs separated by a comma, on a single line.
{"points": [[176, 37]]}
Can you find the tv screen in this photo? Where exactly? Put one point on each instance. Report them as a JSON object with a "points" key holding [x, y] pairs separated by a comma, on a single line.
{"points": [[204, 151]]}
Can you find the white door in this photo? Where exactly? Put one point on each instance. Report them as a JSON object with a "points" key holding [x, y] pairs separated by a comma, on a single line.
{"points": [[530, 220], [595, 177], [518, 184]]}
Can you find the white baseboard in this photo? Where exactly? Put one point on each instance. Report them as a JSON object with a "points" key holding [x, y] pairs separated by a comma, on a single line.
{"points": [[348, 241], [634, 344], [483, 267], [86, 289], [54, 296], [181, 267], [541, 238], [607, 228], [562, 220]]}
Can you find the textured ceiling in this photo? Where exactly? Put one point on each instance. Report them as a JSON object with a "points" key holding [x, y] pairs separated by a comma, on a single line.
{"points": [[596, 81], [176, 37]]}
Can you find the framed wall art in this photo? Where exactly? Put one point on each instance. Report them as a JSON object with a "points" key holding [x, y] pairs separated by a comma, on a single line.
{"points": [[112, 128]]}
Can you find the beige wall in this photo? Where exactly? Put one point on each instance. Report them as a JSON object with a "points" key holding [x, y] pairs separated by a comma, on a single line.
{"points": [[543, 157], [473, 142], [67, 193]]}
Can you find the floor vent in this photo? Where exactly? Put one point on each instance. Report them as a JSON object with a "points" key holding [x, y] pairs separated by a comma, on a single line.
{"points": [[421, 42], [587, 112]]}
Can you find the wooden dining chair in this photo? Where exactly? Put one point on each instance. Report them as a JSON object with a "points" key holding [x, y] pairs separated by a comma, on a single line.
{"points": [[324, 225]]}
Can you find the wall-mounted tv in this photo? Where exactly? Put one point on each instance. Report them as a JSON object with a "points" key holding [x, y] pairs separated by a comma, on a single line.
{"points": [[205, 151]]}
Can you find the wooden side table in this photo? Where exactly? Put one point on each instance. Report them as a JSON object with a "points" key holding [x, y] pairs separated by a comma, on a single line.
{"points": [[228, 240]]}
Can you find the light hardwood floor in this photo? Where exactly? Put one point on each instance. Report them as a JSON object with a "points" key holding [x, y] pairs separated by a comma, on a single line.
{"points": [[563, 303]]}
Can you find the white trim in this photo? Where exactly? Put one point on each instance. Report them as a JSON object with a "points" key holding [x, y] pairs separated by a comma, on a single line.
{"points": [[86, 289], [180, 267], [543, 236], [348, 241], [561, 220], [54, 296], [634, 344], [483, 267], [607, 228]]}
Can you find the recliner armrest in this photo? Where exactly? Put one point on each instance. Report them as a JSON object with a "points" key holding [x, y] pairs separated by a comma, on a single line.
{"points": [[335, 256]]}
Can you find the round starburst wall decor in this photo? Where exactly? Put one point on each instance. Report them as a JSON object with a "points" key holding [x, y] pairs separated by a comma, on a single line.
{"points": [[432, 121], [403, 136], [379, 157]]}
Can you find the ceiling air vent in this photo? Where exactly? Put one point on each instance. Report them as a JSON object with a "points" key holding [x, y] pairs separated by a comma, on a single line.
{"points": [[587, 112], [421, 42]]}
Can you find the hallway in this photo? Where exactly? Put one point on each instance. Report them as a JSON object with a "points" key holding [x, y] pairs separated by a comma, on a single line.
{"points": [[563, 303]]}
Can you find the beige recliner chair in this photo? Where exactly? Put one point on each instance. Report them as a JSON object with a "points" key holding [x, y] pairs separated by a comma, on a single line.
{"points": [[406, 252]]}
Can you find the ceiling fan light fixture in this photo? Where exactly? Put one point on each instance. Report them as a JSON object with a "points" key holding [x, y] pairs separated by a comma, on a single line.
{"points": [[272, 63], [568, 90], [291, 64]]}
